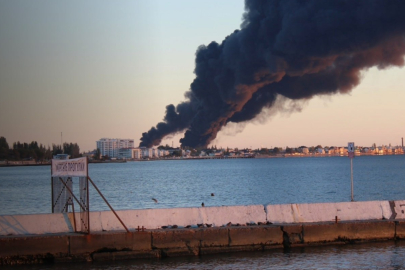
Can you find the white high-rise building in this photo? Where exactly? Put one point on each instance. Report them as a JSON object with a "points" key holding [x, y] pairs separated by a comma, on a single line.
{"points": [[110, 147]]}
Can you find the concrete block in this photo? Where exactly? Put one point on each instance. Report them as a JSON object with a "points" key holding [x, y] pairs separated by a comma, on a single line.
{"points": [[217, 250], [151, 218], [292, 228], [34, 245], [175, 238], [292, 234], [314, 233], [81, 244], [190, 238], [156, 218], [125, 255], [34, 224], [281, 213], [255, 236], [220, 216], [95, 221], [350, 211], [213, 237], [176, 252], [398, 208], [400, 229], [326, 212]]}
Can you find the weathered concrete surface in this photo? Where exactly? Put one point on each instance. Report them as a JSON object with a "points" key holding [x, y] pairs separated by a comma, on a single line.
{"points": [[156, 218], [292, 235], [185, 242], [325, 212], [400, 229], [220, 216], [214, 216], [175, 239], [32, 249], [33, 245], [213, 237], [398, 209], [263, 235], [176, 242], [51, 237], [34, 224], [116, 241], [348, 231], [150, 218], [125, 255]]}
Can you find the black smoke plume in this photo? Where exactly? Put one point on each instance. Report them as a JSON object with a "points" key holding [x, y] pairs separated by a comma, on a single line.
{"points": [[294, 48]]}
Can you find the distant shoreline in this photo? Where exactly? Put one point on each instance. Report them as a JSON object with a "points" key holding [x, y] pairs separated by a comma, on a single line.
{"points": [[29, 163], [33, 163]]}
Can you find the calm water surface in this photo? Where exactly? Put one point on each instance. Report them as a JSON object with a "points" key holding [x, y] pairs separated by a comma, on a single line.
{"points": [[188, 183]]}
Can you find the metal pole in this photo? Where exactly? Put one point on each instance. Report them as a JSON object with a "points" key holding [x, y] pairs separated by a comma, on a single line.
{"points": [[88, 194], [99, 192], [74, 215], [351, 174], [52, 188], [52, 192]]}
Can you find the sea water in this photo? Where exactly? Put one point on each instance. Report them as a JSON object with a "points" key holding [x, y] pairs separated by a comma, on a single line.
{"points": [[188, 183]]}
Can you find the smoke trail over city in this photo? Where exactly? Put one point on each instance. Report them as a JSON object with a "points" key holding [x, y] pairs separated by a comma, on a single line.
{"points": [[293, 48]]}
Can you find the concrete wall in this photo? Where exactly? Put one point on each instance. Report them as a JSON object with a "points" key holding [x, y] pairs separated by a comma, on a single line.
{"points": [[324, 212], [34, 224], [214, 216], [104, 246]]}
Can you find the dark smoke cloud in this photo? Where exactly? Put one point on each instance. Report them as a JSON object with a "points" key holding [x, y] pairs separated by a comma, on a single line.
{"points": [[294, 48]]}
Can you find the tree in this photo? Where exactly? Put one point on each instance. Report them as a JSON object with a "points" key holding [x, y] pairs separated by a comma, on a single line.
{"points": [[56, 149], [264, 151], [33, 150], [48, 153], [177, 153], [97, 154], [4, 148], [276, 150], [289, 150], [72, 149]]}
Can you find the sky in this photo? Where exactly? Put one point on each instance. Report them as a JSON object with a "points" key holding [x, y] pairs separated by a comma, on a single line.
{"points": [[106, 69]]}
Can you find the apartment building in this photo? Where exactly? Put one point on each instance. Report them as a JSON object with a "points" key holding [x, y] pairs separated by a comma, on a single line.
{"points": [[111, 147]]}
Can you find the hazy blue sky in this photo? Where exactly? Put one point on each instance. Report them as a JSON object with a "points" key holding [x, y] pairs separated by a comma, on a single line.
{"points": [[94, 69]]}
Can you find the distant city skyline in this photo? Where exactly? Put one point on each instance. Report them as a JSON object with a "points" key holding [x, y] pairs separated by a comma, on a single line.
{"points": [[98, 69]]}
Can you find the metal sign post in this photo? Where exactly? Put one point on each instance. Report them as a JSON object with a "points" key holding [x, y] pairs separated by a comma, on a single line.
{"points": [[62, 172], [350, 152]]}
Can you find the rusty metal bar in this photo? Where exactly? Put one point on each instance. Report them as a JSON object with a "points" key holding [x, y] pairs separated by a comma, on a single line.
{"points": [[74, 215], [88, 195], [52, 191], [99, 192]]}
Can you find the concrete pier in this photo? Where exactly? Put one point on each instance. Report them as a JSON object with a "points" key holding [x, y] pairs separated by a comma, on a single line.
{"points": [[196, 231]]}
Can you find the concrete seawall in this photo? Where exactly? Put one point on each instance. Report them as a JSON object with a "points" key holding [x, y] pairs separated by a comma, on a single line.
{"points": [[196, 231]]}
